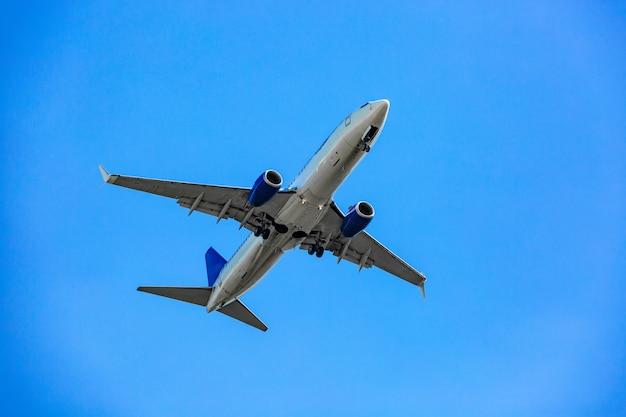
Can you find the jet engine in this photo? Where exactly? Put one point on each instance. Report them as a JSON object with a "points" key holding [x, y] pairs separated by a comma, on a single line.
{"points": [[265, 187], [359, 216]]}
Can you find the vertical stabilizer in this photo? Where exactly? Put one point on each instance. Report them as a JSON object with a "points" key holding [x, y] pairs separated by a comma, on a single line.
{"points": [[214, 265]]}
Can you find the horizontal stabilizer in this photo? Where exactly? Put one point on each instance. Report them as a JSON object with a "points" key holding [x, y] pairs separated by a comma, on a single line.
{"points": [[193, 295], [239, 311]]}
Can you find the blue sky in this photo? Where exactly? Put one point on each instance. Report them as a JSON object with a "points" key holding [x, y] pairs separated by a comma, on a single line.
{"points": [[500, 174]]}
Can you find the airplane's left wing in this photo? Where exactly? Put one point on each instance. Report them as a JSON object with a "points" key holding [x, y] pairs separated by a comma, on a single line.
{"points": [[220, 201], [362, 250]]}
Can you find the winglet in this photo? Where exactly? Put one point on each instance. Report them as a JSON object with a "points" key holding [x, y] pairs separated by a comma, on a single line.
{"points": [[105, 175], [422, 290]]}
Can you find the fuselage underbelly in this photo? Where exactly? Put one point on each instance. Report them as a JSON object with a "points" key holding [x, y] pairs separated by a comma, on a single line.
{"points": [[314, 188]]}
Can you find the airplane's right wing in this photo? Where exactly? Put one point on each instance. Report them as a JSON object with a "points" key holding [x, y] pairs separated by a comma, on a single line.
{"points": [[220, 201], [362, 250]]}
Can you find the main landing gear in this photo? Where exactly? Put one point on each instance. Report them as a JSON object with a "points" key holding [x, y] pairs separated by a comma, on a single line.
{"points": [[266, 226], [316, 249], [262, 231]]}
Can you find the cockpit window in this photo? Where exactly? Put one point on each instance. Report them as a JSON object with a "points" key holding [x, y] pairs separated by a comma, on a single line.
{"points": [[364, 105]]}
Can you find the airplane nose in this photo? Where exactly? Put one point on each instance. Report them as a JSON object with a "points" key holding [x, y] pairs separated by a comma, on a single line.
{"points": [[379, 110], [381, 107], [382, 103]]}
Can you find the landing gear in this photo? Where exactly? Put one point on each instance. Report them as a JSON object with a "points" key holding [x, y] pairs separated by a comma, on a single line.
{"points": [[261, 231], [368, 136], [316, 249]]}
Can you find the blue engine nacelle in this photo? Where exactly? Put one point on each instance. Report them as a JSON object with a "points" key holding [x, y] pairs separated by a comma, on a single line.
{"points": [[265, 187], [357, 219]]}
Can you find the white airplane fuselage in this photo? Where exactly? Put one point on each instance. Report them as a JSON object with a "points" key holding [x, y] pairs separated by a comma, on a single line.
{"points": [[314, 188]]}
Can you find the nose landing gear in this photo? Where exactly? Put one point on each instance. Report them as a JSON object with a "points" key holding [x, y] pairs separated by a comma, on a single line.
{"points": [[368, 136]]}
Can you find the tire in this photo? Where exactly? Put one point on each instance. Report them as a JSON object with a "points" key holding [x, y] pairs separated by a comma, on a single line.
{"points": [[266, 234], [319, 252], [311, 249]]}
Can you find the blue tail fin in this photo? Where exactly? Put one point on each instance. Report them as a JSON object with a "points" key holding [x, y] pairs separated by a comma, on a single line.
{"points": [[214, 264]]}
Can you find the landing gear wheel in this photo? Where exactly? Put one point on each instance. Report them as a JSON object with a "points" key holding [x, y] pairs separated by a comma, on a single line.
{"points": [[319, 252], [266, 234], [311, 249], [258, 231]]}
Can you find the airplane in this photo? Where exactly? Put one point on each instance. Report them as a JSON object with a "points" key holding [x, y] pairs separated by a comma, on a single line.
{"points": [[280, 219]]}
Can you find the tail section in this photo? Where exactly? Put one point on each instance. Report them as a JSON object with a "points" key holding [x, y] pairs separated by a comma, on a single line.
{"points": [[201, 295], [214, 265]]}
